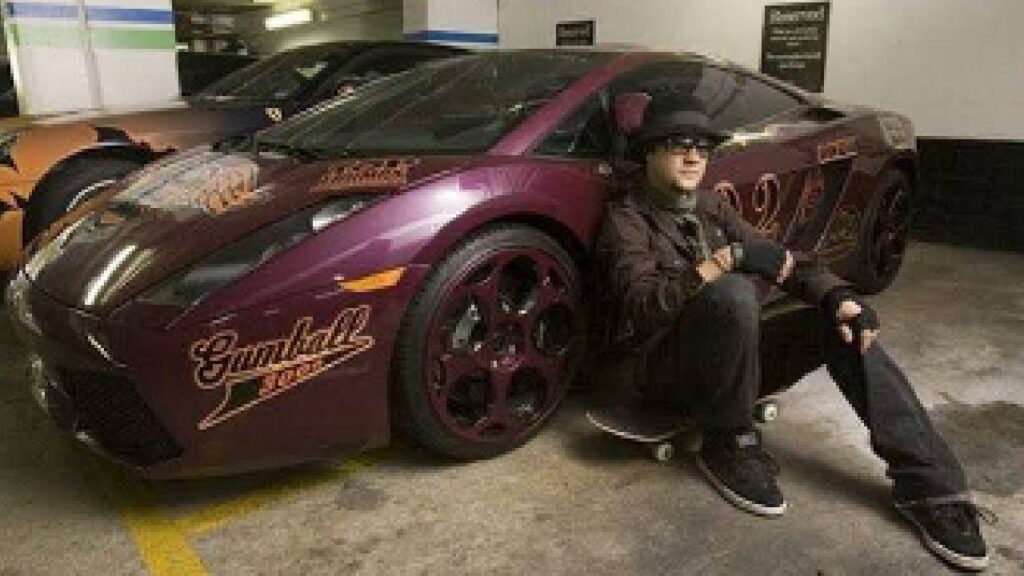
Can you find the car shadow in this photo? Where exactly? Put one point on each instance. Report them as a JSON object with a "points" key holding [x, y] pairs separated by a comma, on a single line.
{"points": [[812, 471], [831, 482], [45, 467]]}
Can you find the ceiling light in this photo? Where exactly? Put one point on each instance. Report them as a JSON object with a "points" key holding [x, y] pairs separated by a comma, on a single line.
{"points": [[286, 19]]}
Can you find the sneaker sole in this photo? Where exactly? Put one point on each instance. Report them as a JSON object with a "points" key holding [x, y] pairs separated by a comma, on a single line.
{"points": [[959, 560], [737, 500]]}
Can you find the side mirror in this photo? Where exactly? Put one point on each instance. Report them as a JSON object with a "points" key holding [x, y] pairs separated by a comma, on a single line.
{"points": [[346, 85], [628, 109]]}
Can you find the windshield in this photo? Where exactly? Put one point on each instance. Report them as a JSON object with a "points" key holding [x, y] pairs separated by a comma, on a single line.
{"points": [[279, 77], [458, 105]]}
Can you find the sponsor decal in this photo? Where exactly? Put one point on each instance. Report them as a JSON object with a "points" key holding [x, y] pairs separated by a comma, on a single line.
{"points": [[840, 149], [766, 203], [842, 233], [376, 173], [812, 197], [253, 373]]}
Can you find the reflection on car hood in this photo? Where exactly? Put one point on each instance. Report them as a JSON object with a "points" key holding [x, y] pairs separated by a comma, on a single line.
{"points": [[178, 210]]}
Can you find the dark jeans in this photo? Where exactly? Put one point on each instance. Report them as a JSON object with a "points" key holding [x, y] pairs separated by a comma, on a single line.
{"points": [[713, 361]]}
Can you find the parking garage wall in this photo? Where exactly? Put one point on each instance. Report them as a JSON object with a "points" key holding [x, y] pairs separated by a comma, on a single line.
{"points": [[956, 67], [358, 20]]}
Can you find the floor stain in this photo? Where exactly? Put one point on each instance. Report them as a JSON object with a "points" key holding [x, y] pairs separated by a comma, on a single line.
{"points": [[987, 439], [357, 495], [1011, 554]]}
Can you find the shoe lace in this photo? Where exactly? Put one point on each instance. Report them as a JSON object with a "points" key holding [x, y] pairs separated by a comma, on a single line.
{"points": [[963, 514], [762, 459]]}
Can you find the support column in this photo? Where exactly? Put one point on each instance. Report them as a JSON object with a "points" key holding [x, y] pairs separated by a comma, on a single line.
{"points": [[71, 55], [469, 23]]}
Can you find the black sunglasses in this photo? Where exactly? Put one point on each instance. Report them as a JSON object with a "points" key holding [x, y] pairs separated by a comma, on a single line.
{"points": [[680, 144]]}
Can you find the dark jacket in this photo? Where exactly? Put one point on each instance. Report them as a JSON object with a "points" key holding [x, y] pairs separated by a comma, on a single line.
{"points": [[651, 271]]}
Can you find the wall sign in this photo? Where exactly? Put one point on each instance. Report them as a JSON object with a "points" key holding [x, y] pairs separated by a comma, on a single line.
{"points": [[578, 33], [793, 43]]}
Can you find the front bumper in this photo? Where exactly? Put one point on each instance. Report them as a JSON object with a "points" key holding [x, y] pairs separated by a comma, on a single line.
{"points": [[129, 388], [74, 379]]}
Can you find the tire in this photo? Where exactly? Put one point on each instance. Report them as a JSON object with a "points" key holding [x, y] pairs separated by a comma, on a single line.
{"points": [[884, 235], [68, 188], [490, 344]]}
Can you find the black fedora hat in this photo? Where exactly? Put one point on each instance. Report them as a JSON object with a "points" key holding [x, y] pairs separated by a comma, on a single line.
{"points": [[673, 115]]}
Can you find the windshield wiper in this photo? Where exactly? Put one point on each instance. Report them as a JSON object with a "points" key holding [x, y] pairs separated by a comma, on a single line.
{"points": [[298, 152]]}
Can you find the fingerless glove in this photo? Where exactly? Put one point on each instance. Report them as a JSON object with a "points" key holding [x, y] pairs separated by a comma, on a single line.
{"points": [[759, 257], [866, 320]]}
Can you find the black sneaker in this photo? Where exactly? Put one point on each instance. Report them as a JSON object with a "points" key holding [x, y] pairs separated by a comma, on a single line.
{"points": [[741, 471], [950, 530]]}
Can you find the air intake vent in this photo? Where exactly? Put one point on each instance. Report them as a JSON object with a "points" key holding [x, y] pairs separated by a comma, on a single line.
{"points": [[822, 114], [117, 418]]}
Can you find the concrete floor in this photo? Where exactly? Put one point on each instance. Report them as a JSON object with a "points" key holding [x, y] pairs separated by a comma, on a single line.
{"points": [[572, 501]]}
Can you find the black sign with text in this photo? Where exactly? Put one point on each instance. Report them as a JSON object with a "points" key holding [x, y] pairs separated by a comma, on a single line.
{"points": [[579, 33], [793, 43]]}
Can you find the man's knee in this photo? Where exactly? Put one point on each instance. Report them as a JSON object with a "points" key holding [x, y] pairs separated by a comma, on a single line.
{"points": [[733, 298]]}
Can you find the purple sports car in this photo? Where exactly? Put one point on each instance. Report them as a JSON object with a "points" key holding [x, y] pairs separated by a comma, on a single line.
{"points": [[412, 256]]}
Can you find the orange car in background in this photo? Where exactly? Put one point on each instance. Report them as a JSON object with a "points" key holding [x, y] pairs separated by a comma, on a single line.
{"points": [[49, 165]]}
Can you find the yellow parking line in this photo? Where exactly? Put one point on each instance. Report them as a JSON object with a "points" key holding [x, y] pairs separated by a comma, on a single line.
{"points": [[215, 516], [164, 547], [163, 541]]}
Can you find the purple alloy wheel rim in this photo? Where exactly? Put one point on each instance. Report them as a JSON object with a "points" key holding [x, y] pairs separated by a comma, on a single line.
{"points": [[501, 345], [889, 237]]}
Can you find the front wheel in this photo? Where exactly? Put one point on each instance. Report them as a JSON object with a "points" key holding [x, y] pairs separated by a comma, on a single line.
{"points": [[490, 344], [75, 184], [884, 234]]}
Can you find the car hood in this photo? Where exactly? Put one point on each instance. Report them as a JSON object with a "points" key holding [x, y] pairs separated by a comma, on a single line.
{"points": [[176, 211]]}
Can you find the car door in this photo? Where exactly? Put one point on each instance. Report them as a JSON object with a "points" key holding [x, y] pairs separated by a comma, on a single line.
{"points": [[578, 150]]}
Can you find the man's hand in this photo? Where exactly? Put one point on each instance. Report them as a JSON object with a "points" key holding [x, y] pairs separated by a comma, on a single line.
{"points": [[719, 263], [723, 258], [852, 313]]}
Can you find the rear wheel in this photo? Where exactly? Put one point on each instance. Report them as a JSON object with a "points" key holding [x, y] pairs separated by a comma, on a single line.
{"points": [[884, 235], [490, 344], [72, 186]]}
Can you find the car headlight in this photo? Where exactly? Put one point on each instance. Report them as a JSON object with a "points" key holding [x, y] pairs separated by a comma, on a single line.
{"points": [[17, 303], [188, 287], [40, 253]]}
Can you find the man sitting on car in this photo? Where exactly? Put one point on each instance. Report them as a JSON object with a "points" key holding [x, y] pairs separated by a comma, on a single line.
{"points": [[677, 258]]}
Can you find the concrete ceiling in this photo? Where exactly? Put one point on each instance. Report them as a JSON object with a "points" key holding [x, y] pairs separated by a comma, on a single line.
{"points": [[234, 6]]}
